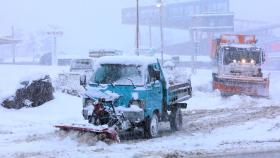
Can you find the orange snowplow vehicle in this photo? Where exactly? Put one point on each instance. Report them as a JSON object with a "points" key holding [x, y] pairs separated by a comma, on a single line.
{"points": [[239, 66]]}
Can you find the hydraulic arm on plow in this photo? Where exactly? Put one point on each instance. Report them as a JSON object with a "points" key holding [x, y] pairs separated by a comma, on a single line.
{"points": [[239, 66]]}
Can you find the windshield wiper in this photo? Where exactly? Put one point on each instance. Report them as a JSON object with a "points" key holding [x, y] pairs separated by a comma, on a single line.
{"points": [[131, 82], [111, 83]]}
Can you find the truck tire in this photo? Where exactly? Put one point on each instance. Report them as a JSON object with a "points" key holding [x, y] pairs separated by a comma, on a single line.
{"points": [[151, 127], [176, 119]]}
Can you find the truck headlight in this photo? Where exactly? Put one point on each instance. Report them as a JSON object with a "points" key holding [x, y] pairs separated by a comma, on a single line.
{"points": [[243, 61], [253, 61], [138, 102], [135, 96]]}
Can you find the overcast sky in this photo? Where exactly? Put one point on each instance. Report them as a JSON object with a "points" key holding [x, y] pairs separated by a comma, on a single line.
{"points": [[97, 23]]}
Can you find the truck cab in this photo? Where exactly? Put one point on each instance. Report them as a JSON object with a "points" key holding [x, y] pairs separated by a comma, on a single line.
{"points": [[136, 89]]}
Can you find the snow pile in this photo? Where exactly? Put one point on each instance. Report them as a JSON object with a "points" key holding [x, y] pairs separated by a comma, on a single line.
{"points": [[27, 80], [176, 75], [34, 91]]}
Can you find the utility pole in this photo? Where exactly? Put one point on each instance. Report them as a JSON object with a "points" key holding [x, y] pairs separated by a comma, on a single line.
{"points": [[13, 45], [150, 34], [160, 5], [55, 34], [137, 27], [195, 36]]}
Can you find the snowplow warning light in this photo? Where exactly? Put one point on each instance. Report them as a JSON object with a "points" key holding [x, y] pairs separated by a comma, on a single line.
{"points": [[243, 61], [253, 61]]}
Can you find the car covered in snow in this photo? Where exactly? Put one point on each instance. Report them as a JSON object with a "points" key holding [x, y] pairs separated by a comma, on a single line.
{"points": [[69, 82]]}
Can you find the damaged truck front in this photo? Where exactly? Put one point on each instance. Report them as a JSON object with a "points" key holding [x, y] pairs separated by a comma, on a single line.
{"points": [[132, 93]]}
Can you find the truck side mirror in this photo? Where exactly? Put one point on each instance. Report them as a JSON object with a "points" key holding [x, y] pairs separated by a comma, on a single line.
{"points": [[83, 80], [157, 75], [263, 57]]}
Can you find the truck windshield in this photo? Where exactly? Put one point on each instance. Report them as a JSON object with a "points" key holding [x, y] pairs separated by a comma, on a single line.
{"points": [[242, 56], [118, 74]]}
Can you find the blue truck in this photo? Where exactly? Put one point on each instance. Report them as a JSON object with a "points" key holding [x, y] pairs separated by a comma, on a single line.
{"points": [[131, 92]]}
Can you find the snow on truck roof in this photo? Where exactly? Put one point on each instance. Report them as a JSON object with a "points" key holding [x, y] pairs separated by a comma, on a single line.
{"points": [[127, 60]]}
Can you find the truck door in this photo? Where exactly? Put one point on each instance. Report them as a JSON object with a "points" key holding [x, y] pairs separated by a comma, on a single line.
{"points": [[154, 93]]}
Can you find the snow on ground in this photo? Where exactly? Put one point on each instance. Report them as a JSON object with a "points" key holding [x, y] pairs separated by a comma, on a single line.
{"points": [[212, 125]]}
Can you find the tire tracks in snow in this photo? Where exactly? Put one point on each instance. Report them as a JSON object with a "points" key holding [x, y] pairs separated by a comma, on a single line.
{"points": [[208, 120]]}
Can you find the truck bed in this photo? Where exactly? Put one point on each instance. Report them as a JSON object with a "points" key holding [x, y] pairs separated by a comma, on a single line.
{"points": [[178, 93]]}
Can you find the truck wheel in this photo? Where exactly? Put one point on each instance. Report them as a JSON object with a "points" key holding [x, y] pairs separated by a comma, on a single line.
{"points": [[151, 127], [176, 119]]}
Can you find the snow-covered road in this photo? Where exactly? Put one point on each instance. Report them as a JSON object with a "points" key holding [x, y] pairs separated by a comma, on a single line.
{"points": [[212, 125]]}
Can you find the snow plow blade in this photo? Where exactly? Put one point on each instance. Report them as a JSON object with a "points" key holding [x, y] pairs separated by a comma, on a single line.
{"points": [[108, 133], [232, 85]]}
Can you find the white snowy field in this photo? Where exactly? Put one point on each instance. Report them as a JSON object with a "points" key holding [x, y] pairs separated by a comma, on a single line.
{"points": [[212, 125]]}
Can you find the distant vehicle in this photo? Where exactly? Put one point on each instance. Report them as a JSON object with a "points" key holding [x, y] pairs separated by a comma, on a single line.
{"points": [[70, 82], [146, 51], [239, 66], [81, 65], [129, 93], [103, 52], [46, 59]]}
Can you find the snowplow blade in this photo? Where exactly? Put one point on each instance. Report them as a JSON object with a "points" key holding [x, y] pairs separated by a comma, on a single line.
{"points": [[108, 133], [232, 85]]}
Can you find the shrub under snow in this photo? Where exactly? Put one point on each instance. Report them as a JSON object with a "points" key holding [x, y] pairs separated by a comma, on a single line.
{"points": [[33, 92]]}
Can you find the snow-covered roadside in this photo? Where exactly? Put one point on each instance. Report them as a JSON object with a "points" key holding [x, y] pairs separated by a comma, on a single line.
{"points": [[212, 125]]}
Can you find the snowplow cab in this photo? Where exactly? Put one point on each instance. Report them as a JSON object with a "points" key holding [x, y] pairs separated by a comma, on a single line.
{"points": [[239, 67]]}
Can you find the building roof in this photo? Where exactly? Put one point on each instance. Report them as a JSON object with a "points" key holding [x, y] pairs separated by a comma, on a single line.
{"points": [[5, 40]]}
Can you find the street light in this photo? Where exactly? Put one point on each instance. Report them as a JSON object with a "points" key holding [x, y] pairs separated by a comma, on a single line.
{"points": [[160, 5], [55, 34]]}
